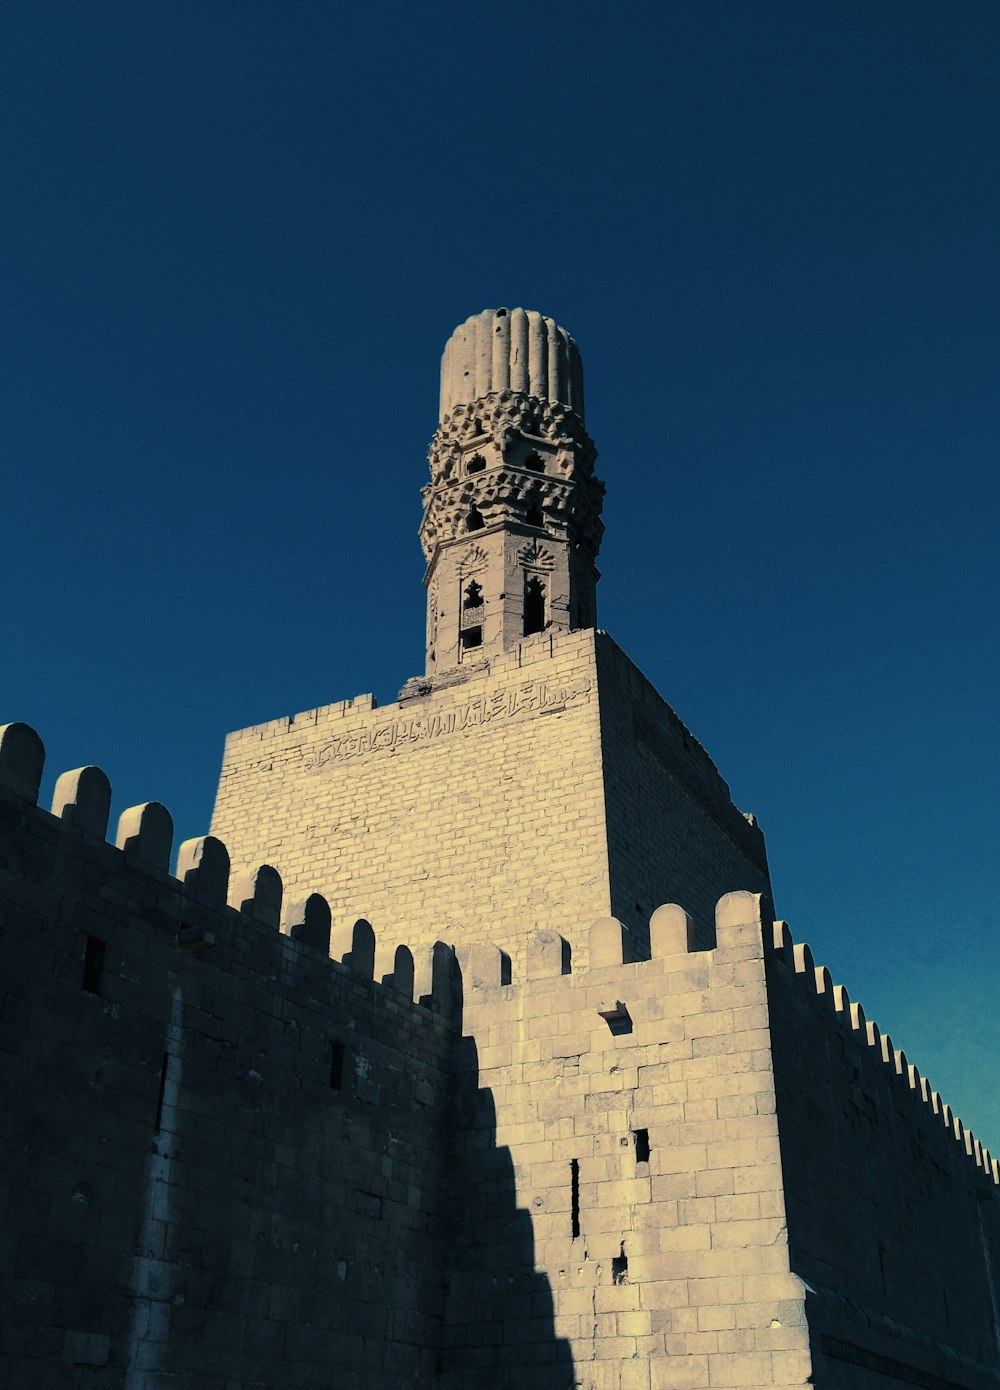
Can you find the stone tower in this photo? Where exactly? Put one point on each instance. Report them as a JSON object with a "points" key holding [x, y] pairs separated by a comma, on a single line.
{"points": [[512, 515]]}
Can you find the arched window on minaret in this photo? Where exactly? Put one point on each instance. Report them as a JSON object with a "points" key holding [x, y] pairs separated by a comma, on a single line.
{"points": [[471, 632], [534, 606], [474, 519], [533, 516]]}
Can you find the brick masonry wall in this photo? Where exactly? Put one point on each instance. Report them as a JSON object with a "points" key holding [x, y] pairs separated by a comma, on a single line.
{"points": [[662, 1270], [703, 1169], [893, 1209], [185, 1199], [674, 835], [481, 804], [540, 794]]}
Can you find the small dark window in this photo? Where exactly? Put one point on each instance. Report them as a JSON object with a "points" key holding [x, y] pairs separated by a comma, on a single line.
{"points": [[476, 464], [619, 1267], [535, 463], [574, 1184], [534, 606], [337, 1059], [471, 632], [93, 964], [641, 1139], [474, 520], [534, 515]]}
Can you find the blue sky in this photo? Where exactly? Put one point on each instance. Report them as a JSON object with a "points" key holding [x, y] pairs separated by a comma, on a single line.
{"points": [[235, 239]]}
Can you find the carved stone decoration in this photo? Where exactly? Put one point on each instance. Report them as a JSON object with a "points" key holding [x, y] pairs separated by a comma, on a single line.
{"points": [[473, 560], [512, 406], [535, 556]]}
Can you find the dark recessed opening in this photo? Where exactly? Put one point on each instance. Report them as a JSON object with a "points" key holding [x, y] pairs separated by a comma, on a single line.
{"points": [[534, 516], [619, 1267], [476, 464], [535, 463], [641, 1140], [93, 964], [574, 1182], [471, 637], [474, 520], [161, 1092], [534, 606], [337, 1060]]}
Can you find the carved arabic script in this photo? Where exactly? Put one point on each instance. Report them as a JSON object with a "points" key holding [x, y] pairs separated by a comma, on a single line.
{"points": [[538, 697]]}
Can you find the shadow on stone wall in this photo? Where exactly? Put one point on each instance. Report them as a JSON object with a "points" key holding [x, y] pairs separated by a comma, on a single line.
{"points": [[499, 1318]]}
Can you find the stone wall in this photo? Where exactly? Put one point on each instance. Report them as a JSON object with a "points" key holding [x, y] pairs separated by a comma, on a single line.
{"points": [[479, 804], [220, 1151], [893, 1206], [636, 1104], [674, 834], [547, 790], [226, 1159]]}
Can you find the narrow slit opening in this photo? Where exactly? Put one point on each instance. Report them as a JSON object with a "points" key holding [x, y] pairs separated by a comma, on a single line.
{"points": [[93, 964], [574, 1179], [640, 1138], [161, 1093]]}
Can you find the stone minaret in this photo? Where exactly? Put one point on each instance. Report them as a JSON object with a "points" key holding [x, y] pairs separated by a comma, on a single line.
{"points": [[512, 515]]}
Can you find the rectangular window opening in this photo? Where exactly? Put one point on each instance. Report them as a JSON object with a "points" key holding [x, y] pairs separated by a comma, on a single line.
{"points": [[337, 1055], [641, 1140], [93, 964], [471, 637], [574, 1178]]}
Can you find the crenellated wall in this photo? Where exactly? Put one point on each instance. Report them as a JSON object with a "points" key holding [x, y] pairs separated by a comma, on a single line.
{"points": [[672, 1156], [636, 1100], [893, 1205], [733, 1177], [220, 1151]]}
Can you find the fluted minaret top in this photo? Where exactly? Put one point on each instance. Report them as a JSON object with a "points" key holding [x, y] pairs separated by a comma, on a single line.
{"points": [[511, 350]]}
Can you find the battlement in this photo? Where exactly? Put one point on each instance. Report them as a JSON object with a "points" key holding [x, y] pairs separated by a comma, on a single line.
{"points": [[743, 931], [204, 882], [874, 1048], [646, 1104], [615, 957]]}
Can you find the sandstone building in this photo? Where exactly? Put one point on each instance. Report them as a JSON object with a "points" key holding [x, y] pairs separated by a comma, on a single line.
{"points": [[465, 1051]]}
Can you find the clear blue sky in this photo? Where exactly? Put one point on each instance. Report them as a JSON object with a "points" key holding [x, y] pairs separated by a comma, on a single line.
{"points": [[235, 237]]}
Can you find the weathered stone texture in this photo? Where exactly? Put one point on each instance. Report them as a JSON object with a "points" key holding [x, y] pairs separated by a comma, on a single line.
{"points": [[893, 1210], [186, 1200], [551, 789], [226, 1159], [667, 1267]]}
